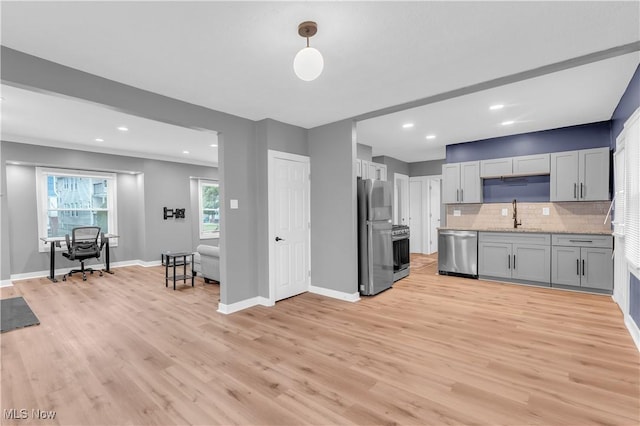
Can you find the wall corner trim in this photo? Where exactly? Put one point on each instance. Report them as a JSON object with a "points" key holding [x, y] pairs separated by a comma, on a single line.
{"points": [[243, 304], [347, 297]]}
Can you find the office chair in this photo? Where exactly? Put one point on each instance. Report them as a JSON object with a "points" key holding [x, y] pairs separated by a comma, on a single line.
{"points": [[83, 245]]}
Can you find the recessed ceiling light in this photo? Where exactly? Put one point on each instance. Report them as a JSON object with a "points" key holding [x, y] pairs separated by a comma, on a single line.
{"points": [[431, 136], [213, 145], [185, 152], [123, 129], [496, 106], [507, 123], [99, 140], [407, 125]]}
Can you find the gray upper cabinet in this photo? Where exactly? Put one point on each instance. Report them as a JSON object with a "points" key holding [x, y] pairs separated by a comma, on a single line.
{"points": [[525, 165], [539, 164], [496, 167], [580, 175], [461, 183], [593, 171]]}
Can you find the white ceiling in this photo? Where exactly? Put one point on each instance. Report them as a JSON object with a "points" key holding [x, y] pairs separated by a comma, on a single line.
{"points": [[237, 57], [42, 119]]}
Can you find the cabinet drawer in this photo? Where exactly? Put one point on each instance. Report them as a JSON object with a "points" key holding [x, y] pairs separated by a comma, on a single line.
{"points": [[514, 237], [582, 240]]}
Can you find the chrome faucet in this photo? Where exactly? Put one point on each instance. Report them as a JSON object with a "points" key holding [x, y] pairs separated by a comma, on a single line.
{"points": [[515, 214]]}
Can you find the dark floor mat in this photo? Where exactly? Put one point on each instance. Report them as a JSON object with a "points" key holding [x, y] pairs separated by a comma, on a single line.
{"points": [[15, 313]]}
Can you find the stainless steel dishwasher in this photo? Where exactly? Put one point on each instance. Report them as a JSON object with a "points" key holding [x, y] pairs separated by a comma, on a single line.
{"points": [[458, 253]]}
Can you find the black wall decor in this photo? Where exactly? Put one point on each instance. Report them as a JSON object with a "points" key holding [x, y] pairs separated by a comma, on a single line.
{"points": [[175, 213]]}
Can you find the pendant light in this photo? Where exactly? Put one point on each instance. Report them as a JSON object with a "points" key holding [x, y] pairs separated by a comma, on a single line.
{"points": [[308, 63]]}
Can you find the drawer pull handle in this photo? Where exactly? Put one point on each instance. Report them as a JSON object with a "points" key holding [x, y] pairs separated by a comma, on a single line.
{"points": [[580, 241]]}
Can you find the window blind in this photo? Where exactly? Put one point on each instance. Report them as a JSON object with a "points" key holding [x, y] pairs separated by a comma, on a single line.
{"points": [[619, 185], [632, 189]]}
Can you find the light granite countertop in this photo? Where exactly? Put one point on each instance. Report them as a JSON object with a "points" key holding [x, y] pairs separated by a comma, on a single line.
{"points": [[529, 230]]}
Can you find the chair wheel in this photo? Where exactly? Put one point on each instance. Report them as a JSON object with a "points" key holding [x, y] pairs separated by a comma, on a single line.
{"points": [[91, 272], [64, 278], [84, 278]]}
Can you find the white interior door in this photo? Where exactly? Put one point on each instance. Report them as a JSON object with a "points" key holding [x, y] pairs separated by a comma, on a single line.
{"points": [[434, 213], [289, 240], [415, 216], [401, 199]]}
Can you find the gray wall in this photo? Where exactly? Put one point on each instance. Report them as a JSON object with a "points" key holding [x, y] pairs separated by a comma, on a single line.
{"points": [[363, 152], [426, 168], [334, 256], [393, 166], [143, 231], [237, 150], [277, 136]]}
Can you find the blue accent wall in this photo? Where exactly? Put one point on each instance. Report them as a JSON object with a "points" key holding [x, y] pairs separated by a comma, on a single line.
{"points": [[584, 136], [629, 102], [634, 297], [529, 189]]}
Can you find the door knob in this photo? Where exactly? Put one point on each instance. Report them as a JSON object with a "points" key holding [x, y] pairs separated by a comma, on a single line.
{"points": [[279, 239]]}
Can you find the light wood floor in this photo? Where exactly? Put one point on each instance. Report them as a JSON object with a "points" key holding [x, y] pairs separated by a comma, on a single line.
{"points": [[124, 350]]}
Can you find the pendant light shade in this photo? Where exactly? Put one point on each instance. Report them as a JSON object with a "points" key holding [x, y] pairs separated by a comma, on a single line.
{"points": [[308, 63]]}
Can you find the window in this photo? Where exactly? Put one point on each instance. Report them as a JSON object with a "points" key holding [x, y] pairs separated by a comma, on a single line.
{"points": [[71, 198], [209, 209], [632, 190]]}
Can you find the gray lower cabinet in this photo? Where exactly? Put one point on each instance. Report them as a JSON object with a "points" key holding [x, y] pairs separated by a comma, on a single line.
{"points": [[521, 257], [582, 261]]}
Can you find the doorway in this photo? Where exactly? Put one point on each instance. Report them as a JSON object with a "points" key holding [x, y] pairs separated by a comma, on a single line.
{"points": [[424, 217], [289, 225]]}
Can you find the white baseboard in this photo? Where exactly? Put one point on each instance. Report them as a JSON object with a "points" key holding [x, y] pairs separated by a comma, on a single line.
{"points": [[633, 330], [347, 297], [243, 304], [6, 283], [40, 274], [149, 264]]}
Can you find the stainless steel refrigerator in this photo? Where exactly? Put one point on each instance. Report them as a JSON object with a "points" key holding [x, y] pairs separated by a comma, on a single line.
{"points": [[375, 249]]}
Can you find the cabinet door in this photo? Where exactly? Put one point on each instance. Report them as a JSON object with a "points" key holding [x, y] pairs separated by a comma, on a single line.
{"points": [[539, 164], [383, 171], [494, 260], [470, 183], [451, 183], [365, 170], [594, 174], [564, 176], [373, 171], [531, 263], [598, 268], [565, 265], [496, 167]]}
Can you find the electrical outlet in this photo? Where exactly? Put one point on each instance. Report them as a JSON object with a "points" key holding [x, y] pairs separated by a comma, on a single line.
{"points": [[545, 211], [233, 204], [457, 213], [505, 212]]}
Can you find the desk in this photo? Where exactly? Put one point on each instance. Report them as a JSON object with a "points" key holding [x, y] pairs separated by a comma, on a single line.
{"points": [[55, 242]]}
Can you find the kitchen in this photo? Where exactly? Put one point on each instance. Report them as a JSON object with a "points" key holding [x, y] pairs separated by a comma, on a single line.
{"points": [[542, 208]]}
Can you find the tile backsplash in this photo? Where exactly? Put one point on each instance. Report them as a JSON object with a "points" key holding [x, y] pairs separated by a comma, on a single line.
{"points": [[564, 217]]}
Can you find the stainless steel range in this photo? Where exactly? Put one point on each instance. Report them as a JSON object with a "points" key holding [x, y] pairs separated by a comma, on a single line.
{"points": [[401, 259]]}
